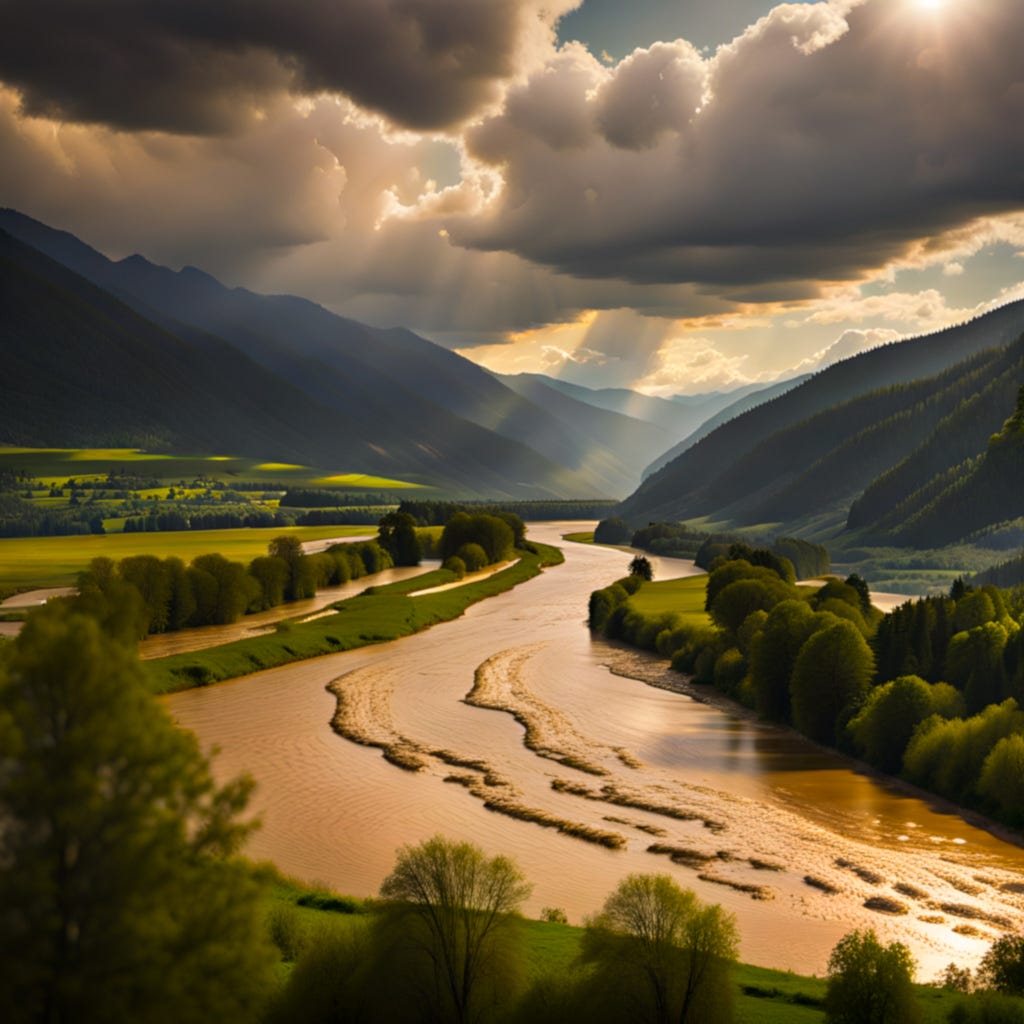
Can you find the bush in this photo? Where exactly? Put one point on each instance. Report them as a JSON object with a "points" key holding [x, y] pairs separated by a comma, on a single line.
{"points": [[473, 557], [869, 983], [456, 565]]}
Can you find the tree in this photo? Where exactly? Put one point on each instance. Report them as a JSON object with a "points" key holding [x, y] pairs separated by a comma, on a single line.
{"points": [[300, 579], [869, 983], [883, 726], [1002, 967], [612, 531], [462, 905], [665, 948], [641, 567], [774, 653], [1002, 776], [830, 680], [397, 535], [118, 901]]}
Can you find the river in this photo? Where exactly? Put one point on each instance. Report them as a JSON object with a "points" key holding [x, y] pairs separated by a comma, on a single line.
{"points": [[742, 804]]}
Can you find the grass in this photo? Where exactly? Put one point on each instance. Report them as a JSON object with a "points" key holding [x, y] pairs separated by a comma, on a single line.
{"points": [[763, 995], [58, 464], [684, 597], [378, 615], [30, 562], [580, 538]]}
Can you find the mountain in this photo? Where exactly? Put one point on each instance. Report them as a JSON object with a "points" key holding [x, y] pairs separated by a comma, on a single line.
{"points": [[748, 399], [390, 384], [818, 445], [630, 442], [676, 416], [83, 368]]}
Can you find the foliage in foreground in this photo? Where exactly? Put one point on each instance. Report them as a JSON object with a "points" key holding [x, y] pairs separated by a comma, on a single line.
{"points": [[118, 898]]}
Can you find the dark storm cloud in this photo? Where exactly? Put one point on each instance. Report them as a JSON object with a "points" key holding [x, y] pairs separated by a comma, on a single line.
{"points": [[829, 137], [204, 66]]}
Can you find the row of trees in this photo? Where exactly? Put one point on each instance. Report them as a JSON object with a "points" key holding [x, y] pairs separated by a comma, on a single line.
{"points": [[933, 690], [678, 540], [122, 897], [219, 519], [144, 594]]}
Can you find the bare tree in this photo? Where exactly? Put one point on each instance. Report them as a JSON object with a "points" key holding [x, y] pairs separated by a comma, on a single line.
{"points": [[465, 904]]}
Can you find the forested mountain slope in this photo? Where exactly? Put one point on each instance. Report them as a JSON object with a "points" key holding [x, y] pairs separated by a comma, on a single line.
{"points": [[743, 467], [380, 378], [83, 368], [747, 400]]}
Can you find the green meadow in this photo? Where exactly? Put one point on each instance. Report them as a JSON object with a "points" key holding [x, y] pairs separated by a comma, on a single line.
{"points": [[683, 597], [301, 914], [55, 465], [30, 562]]}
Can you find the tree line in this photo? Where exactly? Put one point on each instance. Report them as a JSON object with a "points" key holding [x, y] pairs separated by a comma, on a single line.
{"points": [[933, 690], [123, 897], [145, 594]]}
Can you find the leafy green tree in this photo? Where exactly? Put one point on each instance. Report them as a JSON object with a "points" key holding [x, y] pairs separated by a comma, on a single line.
{"points": [[612, 531], [743, 597], [473, 557], [300, 579], [1002, 967], [223, 590], [830, 680], [869, 983], [669, 954], [118, 900], [272, 576], [150, 577], [774, 653], [1002, 777], [459, 906], [641, 567], [883, 726], [397, 535]]}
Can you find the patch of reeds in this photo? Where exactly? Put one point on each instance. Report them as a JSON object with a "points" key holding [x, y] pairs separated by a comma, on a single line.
{"points": [[865, 874], [819, 883], [885, 905]]}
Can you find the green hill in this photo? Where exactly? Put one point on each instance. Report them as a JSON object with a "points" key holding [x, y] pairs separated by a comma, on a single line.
{"points": [[884, 423]]}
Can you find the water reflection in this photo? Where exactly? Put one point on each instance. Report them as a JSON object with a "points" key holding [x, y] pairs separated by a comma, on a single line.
{"points": [[336, 812]]}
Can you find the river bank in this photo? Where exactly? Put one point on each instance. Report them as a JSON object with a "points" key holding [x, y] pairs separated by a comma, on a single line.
{"points": [[336, 811]]}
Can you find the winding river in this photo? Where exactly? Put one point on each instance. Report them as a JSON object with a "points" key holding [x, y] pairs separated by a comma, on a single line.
{"points": [[788, 837]]}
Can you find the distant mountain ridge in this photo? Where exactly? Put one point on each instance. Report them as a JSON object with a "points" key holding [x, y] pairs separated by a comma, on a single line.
{"points": [[417, 406], [887, 423]]}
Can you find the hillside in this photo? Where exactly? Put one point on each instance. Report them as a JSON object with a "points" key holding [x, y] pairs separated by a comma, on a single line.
{"points": [[746, 400], [974, 496], [382, 379], [677, 416], [83, 368], [632, 442], [831, 436]]}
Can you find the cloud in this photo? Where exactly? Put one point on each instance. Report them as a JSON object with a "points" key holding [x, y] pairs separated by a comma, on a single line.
{"points": [[849, 343], [195, 66], [830, 139], [695, 364]]}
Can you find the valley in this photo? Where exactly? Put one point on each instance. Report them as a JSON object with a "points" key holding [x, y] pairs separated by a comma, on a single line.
{"points": [[736, 792]]}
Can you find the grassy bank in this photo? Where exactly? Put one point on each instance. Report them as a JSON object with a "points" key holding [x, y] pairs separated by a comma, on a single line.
{"points": [[683, 597], [376, 616], [30, 562], [763, 996]]}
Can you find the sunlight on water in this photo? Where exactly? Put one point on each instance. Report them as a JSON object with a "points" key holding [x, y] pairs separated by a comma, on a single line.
{"points": [[784, 834]]}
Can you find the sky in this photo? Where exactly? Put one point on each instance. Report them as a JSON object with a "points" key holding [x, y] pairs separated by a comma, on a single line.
{"points": [[673, 195]]}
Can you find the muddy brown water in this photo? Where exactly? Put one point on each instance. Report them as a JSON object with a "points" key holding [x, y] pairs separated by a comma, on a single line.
{"points": [[742, 804]]}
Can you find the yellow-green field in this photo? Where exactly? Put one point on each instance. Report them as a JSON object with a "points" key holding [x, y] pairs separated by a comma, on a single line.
{"points": [[30, 562], [685, 597], [57, 464]]}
